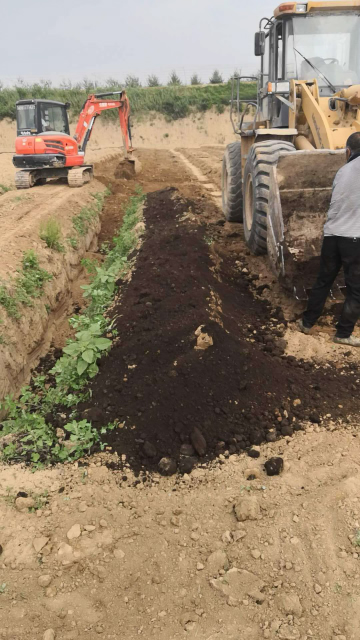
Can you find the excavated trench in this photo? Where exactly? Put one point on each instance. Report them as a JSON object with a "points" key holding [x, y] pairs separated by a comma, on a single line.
{"points": [[170, 397]]}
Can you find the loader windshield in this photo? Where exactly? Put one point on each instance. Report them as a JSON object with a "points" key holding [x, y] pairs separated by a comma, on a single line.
{"points": [[331, 43]]}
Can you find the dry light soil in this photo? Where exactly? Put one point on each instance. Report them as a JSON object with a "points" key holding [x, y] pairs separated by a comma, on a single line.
{"points": [[176, 530]]}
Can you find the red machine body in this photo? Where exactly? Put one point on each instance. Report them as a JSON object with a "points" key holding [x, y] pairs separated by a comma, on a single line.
{"points": [[46, 150]]}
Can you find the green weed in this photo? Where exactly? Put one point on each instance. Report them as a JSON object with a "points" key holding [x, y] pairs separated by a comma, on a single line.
{"points": [[36, 441], [72, 242], [4, 188], [50, 233]]}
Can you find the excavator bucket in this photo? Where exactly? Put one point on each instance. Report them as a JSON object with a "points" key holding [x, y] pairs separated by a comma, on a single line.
{"points": [[127, 168], [300, 194]]}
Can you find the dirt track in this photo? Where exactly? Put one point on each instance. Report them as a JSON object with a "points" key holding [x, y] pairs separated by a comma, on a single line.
{"points": [[140, 561]]}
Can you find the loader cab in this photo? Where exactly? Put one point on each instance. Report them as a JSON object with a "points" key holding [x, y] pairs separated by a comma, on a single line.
{"points": [[303, 42], [34, 117]]}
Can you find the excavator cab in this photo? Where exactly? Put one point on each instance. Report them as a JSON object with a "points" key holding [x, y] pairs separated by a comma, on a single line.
{"points": [[34, 117], [278, 178]]}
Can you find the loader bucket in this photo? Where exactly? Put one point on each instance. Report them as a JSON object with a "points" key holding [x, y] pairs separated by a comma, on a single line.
{"points": [[300, 195]]}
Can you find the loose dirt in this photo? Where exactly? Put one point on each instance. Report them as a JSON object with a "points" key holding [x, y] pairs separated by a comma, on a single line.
{"points": [[109, 546]]}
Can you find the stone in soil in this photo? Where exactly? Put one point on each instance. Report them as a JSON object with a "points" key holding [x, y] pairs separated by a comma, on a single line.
{"points": [[167, 466], [39, 543], [274, 466], [22, 504], [198, 441]]}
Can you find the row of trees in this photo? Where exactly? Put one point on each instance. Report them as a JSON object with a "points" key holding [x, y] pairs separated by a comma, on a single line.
{"points": [[130, 82]]}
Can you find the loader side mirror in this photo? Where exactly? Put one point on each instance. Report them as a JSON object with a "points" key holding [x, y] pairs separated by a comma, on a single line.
{"points": [[260, 43]]}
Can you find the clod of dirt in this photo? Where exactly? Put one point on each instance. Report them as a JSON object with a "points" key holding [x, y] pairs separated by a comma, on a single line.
{"points": [[217, 561], [254, 452], [44, 581], [236, 584], [247, 509], [39, 543], [274, 466], [289, 604], [149, 450], [187, 464], [187, 450], [204, 341], [167, 466], [198, 441], [24, 503], [49, 634], [74, 532]]}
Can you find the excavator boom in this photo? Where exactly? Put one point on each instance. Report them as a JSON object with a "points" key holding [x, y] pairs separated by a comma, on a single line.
{"points": [[93, 107]]}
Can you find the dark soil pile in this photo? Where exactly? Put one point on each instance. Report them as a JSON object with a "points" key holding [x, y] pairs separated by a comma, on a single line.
{"points": [[161, 387]]}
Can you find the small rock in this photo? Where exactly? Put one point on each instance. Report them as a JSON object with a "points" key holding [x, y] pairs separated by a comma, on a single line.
{"points": [[119, 554], [247, 509], [198, 441], [74, 532], [82, 507], [49, 634], [167, 466], [24, 503], [200, 566], [187, 450], [51, 592], [216, 561], [254, 452], [89, 527], [149, 450], [274, 466], [297, 402], [317, 588], [44, 581], [256, 554], [103, 523], [39, 543]]}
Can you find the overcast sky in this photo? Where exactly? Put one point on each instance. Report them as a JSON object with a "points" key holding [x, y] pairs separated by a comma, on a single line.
{"points": [[73, 39]]}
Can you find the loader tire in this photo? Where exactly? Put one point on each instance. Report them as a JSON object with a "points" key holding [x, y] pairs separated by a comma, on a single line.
{"points": [[262, 156], [231, 183]]}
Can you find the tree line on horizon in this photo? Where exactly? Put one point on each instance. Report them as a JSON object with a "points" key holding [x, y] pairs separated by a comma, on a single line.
{"points": [[131, 81]]}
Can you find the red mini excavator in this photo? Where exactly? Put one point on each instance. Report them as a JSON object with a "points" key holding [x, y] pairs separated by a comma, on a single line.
{"points": [[44, 147]]}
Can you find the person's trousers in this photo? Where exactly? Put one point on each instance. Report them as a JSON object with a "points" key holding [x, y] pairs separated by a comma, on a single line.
{"points": [[337, 252]]}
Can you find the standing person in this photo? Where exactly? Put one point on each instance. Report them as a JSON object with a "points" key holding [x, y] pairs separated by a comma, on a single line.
{"points": [[341, 248]]}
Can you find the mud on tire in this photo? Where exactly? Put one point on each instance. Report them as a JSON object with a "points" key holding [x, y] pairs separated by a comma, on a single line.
{"points": [[256, 188], [231, 183]]}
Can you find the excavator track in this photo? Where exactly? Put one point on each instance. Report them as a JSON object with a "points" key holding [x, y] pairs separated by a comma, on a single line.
{"points": [[24, 179], [79, 176]]}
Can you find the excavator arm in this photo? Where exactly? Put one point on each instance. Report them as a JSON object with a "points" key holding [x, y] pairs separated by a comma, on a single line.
{"points": [[93, 107]]}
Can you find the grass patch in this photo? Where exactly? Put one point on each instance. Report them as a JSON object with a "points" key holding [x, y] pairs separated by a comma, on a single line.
{"points": [[4, 188], [28, 285], [35, 440], [173, 101], [50, 233]]}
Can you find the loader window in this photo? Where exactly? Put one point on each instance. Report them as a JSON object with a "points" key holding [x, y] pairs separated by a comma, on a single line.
{"points": [[331, 43], [53, 118]]}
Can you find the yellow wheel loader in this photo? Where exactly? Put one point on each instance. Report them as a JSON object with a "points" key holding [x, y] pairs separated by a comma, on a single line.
{"points": [[278, 178]]}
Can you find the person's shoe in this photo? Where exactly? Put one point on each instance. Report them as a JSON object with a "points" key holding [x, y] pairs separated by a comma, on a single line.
{"points": [[350, 342], [300, 325]]}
